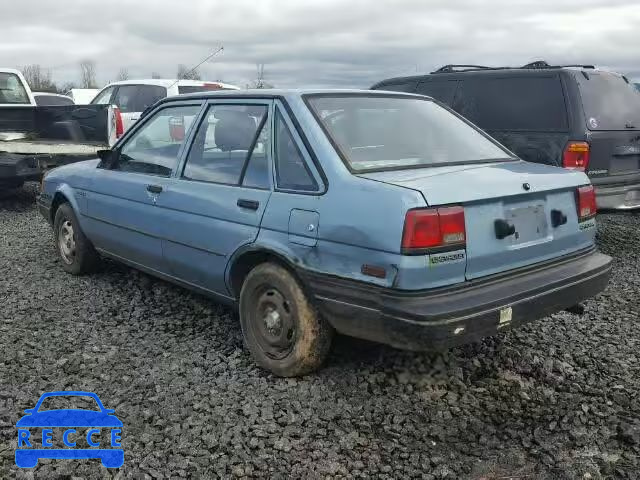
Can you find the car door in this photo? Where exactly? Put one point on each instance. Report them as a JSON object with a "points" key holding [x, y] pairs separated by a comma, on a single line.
{"points": [[215, 203], [122, 217], [294, 204], [132, 100]]}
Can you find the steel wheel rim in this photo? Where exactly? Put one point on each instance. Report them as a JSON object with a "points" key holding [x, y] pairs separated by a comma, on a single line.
{"points": [[273, 323], [67, 242]]}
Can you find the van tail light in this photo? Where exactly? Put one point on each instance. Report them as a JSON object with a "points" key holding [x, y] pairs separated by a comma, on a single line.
{"points": [[119, 124], [576, 156], [586, 202], [176, 128], [439, 229]]}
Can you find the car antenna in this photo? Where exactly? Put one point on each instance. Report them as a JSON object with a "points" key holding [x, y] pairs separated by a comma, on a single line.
{"points": [[217, 51]]}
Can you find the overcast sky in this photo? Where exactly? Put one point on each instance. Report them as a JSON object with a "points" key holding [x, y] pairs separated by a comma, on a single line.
{"points": [[315, 42]]}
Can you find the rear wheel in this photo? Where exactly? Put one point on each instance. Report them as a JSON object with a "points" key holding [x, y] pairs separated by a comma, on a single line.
{"points": [[77, 255], [281, 328]]}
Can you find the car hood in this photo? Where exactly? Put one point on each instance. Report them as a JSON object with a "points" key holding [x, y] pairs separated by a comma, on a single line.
{"points": [[69, 418], [468, 183], [73, 168]]}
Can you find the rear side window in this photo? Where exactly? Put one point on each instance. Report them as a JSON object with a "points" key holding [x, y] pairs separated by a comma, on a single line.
{"points": [[514, 103], [11, 89], [609, 102], [136, 98], [148, 95], [230, 137], [292, 172], [408, 87], [442, 90]]}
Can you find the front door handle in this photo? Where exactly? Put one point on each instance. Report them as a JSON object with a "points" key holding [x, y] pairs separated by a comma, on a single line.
{"points": [[248, 204], [154, 188]]}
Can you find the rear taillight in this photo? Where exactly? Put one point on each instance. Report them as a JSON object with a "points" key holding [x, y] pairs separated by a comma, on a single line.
{"points": [[176, 128], [576, 156], [212, 86], [119, 124], [586, 202], [433, 228]]}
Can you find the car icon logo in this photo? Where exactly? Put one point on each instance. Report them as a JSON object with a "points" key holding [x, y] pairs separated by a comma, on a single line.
{"points": [[80, 433]]}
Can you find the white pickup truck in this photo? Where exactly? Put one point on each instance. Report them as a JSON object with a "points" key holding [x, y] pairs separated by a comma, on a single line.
{"points": [[34, 138]]}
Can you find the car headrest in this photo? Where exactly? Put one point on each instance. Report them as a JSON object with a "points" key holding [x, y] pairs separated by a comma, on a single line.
{"points": [[234, 130]]}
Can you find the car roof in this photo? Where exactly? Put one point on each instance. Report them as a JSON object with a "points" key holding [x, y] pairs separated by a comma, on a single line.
{"points": [[10, 70], [284, 93], [443, 73], [169, 82]]}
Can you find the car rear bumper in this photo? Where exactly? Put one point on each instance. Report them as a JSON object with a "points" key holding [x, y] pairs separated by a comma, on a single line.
{"points": [[619, 196], [464, 313], [16, 169]]}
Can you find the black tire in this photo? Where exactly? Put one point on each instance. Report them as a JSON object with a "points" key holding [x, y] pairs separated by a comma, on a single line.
{"points": [[294, 342], [84, 258]]}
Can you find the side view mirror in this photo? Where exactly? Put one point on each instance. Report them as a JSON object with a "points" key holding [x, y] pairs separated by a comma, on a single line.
{"points": [[109, 411], [107, 158], [29, 410], [104, 155]]}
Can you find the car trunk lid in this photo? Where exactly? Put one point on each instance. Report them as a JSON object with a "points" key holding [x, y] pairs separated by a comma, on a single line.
{"points": [[509, 210]]}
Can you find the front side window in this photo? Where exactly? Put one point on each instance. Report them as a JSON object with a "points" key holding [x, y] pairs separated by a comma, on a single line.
{"points": [[231, 147], [153, 149], [104, 97], [377, 132], [11, 90]]}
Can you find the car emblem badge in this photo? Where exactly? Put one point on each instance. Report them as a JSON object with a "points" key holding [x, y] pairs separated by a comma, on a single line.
{"points": [[526, 187]]}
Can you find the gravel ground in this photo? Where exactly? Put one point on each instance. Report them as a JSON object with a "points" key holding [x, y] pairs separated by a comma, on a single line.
{"points": [[557, 399]]}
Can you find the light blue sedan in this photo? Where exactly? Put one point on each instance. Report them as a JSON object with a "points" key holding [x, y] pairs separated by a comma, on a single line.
{"points": [[380, 215]]}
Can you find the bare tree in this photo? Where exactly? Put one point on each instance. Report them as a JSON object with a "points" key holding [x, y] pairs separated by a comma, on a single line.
{"points": [[123, 74], [155, 75], [88, 74], [39, 79], [185, 74]]}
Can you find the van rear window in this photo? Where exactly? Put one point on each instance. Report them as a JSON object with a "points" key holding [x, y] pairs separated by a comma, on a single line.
{"points": [[532, 103], [11, 89], [609, 102]]}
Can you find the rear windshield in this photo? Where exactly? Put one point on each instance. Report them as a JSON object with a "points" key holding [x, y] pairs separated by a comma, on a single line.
{"points": [[609, 102], [52, 100], [391, 132], [12, 90]]}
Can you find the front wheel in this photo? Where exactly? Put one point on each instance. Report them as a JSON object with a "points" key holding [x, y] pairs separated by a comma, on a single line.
{"points": [[75, 250], [281, 328]]}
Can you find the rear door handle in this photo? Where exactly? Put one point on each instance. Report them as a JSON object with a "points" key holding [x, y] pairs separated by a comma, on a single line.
{"points": [[248, 204], [154, 188]]}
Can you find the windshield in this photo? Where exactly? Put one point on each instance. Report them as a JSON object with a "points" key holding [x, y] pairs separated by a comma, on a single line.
{"points": [[382, 132], [609, 102], [12, 90]]}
